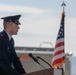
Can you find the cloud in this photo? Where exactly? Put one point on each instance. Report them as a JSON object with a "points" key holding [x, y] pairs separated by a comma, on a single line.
{"points": [[22, 9]]}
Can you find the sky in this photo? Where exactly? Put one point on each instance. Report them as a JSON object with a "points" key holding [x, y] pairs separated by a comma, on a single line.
{"points": [[40, 22]]}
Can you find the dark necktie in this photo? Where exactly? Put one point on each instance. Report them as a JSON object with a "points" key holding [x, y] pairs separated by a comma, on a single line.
{"points": [[12, 41]]}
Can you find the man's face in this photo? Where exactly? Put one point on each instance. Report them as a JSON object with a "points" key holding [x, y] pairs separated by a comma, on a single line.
{"points": [[14, 28]]}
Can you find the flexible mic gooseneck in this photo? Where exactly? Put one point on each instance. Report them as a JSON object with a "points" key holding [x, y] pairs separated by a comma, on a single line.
{"points": [[44, 61]]}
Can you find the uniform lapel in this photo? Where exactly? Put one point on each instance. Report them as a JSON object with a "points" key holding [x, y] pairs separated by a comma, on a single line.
{"points": [[5, 37]]}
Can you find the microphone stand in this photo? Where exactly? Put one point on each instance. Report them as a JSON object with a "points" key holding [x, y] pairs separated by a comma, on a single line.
{"points": [[42, 66]]}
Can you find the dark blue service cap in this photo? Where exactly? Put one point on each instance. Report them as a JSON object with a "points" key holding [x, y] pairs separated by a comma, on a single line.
{"points": [[14, 19]]}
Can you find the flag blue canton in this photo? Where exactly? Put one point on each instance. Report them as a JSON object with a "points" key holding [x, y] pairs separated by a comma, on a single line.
{"points": [[61, 30]]}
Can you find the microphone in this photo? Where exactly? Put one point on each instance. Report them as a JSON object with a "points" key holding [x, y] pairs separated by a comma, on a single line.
{"points": [[35, 59], [44, 61]]}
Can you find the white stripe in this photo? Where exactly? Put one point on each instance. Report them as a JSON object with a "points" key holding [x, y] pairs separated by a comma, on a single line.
{"points": [[60, 40], [59, 49]]}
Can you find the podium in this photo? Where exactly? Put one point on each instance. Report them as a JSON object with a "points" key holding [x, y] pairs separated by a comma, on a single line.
{"points": [[49, 71]]}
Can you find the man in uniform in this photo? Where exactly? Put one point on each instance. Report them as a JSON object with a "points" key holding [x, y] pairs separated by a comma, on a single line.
{"points": [[9, 61]]}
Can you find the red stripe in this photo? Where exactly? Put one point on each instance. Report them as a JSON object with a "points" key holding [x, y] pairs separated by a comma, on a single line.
{"points": [[59, 44], [59, 52]]}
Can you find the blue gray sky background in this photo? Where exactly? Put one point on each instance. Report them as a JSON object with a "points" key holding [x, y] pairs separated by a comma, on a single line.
{"points": [[40, 21]]}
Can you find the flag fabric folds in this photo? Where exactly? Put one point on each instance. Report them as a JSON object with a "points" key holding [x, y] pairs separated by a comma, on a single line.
{"points": [[59, 54]]}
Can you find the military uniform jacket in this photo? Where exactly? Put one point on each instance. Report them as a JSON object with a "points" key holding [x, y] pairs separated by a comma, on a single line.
{"points": [[9, 61]]}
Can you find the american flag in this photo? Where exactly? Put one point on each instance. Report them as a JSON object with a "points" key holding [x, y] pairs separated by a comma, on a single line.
{"points": [[59, 55]]}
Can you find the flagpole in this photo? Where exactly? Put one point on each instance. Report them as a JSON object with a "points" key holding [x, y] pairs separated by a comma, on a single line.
{"points": [[63, 5]]}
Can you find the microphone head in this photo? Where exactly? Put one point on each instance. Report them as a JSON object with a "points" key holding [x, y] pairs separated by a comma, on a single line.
{"points": [[30, 54]]}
